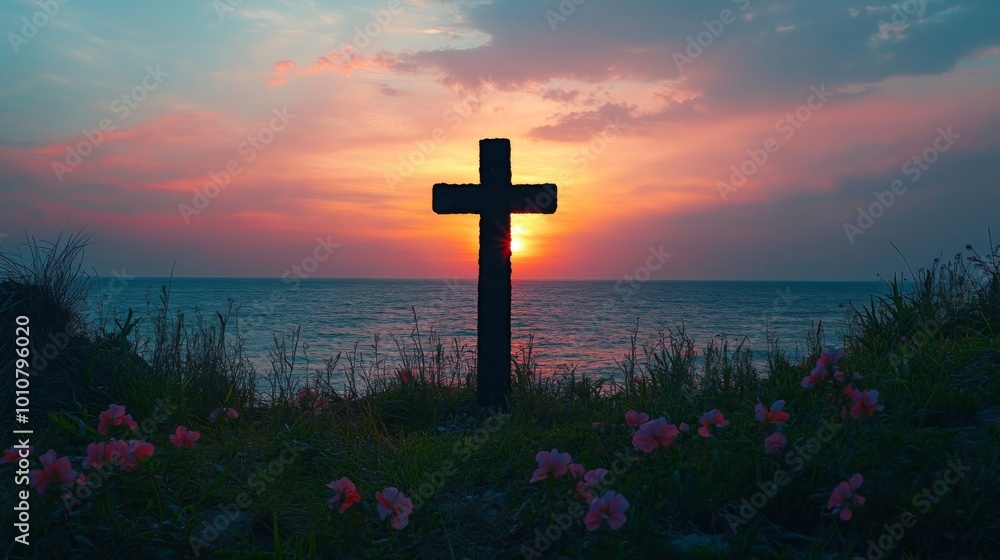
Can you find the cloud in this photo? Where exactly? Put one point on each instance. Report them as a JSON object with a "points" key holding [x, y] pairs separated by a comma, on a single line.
{"points": [[579, 126], [733, 58], [561, 95], [582, 125], [340, 62], [389, 91], [768, 53]]}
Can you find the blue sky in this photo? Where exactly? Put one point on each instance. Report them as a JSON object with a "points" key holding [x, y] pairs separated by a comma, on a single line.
{"points": [[643, 112]]}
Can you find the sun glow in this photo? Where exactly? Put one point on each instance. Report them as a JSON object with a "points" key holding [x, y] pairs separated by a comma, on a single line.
{"points": [[516, 245], [517, 235]]}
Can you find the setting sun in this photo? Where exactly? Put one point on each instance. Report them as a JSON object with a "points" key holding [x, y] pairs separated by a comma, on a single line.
{"points": [[515, 244], [517, 235]]}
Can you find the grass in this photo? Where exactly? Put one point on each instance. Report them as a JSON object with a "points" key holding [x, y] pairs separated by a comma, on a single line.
{"points": [[255, 486]]}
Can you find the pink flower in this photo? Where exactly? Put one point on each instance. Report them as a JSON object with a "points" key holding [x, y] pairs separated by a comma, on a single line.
{"points": [[775, 443], [139, 450], [599, 426], [776, 416], [815, 377], [594, 477], [576, 469], [582, 492], [636, 419], [610, 507], [393, 502], [53, 469], [865, 402], [841, 376], [551, 463], [826, 363], [843, 499], [184, 438], [14, 454], [114, 416], [95, 455], [345, 494], [711, 418], [590, 480], [120, 453], [228, 412], [653, 434], [683, 427], [116, 453], [81, 480], [305, 394], [830, 357], [311, 397]]}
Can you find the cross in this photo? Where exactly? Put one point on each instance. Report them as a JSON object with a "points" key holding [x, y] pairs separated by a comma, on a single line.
{"points": [[494, 199]]}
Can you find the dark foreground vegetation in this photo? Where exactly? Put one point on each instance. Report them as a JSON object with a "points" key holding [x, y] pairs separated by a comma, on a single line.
{"points": [[685, 454]]}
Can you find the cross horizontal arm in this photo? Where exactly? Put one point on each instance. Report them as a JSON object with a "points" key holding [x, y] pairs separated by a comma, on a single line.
{"points": [[533, 199], [457, 199]]}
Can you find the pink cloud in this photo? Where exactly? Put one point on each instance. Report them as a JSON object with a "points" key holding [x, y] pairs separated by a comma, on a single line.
{"points": [[340, 62]]}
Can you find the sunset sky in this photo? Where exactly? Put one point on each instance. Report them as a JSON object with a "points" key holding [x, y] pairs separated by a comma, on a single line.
{"points": [[335, 118]]}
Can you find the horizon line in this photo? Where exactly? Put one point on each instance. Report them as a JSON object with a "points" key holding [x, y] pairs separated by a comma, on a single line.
{"points": [[474, 279]]}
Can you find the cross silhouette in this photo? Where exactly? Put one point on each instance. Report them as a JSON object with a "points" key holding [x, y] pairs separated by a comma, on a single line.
{"points": [[494, 199]]}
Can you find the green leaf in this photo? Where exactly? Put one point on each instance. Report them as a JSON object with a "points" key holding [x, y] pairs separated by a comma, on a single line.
{"points": [[71, 424]]}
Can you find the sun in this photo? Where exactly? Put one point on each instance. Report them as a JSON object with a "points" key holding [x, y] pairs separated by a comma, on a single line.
{"points": [[516, 245], [517, 237]]}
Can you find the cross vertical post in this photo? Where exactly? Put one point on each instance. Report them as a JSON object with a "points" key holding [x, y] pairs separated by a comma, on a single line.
{"points": [[494, 199]]}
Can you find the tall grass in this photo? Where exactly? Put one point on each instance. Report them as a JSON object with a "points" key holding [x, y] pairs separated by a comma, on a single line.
{"points": [[46, 282], [47, 279]]}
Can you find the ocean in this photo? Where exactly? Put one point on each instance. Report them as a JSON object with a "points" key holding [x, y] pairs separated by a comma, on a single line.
{"points": [[581, 324]]}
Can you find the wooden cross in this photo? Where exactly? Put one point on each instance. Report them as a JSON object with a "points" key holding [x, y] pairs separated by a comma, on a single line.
{"points": [[494, 199]]}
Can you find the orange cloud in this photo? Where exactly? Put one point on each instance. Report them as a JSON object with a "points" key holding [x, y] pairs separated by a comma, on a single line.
{"points": [[338, 62]]}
